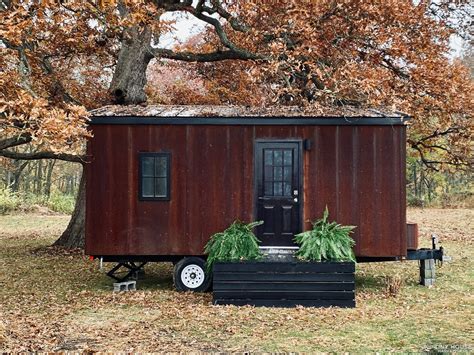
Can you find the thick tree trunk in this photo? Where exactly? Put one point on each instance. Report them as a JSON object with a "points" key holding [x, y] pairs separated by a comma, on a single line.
{"points": [[74, 235], [129, 80], [127, 87]]}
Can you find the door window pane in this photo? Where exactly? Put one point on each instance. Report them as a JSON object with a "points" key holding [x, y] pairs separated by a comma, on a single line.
{"points": [[278, 156], [268, 156], [288, 157], [268, 173], [277, 174]]}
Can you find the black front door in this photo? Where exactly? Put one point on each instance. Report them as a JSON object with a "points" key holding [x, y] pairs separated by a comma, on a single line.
{"points": [[277, 169]]}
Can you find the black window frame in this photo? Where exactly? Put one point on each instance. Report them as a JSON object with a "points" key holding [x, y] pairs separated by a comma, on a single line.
{"points": [[166, 155]]}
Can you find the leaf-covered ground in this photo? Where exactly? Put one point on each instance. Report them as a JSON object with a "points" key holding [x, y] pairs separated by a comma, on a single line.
{"points": [[56, 301]]}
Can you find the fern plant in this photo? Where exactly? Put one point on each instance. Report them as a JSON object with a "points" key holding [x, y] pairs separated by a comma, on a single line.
{"points": [[328, 241], [238, 242]]}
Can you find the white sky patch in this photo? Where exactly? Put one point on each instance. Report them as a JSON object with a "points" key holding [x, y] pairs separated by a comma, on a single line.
{"points": [[457, 45], [185, 27]]}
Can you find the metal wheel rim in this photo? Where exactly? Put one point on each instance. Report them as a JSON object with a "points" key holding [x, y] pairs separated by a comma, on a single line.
{"points": [[192, 276]]}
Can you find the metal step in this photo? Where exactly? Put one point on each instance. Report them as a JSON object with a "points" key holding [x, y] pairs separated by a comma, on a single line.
{"points": [[279, 254]]}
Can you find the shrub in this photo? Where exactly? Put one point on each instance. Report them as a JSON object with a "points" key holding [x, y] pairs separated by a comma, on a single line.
{"points": [[9, 201], [393, 285], [238, 242], [30, 202], [62, 203], [414, 201], [326, 241]]}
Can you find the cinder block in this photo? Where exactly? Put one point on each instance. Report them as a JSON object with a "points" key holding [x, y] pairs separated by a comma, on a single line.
{"points": [[428, 273], [125, 286], [427, 282], [428, 264]]}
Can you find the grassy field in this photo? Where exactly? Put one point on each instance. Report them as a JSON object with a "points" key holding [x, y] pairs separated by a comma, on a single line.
{"points": [[57, 301]]}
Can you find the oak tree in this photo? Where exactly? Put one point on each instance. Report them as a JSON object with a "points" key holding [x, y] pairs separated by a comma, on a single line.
{"points": [[58, 57], [393, 54], [61, 58]]}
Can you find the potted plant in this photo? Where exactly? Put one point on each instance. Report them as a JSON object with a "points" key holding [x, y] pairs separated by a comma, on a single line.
{"points": [[327, 241], [322, 275], [236, 243]]}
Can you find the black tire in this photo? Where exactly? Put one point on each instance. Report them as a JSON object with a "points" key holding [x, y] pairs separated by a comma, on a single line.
{"points": [[190, 275]]}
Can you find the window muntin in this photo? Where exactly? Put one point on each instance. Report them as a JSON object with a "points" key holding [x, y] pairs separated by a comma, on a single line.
{"points": [[278, 171], [154, 176]]}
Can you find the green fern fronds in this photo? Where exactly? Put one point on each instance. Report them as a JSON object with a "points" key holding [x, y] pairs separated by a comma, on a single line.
{"points": [[238, 242], [326, 241]]}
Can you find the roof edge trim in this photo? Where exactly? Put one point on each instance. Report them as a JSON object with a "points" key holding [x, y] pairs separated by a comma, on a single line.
{"points": [[251, 121]]}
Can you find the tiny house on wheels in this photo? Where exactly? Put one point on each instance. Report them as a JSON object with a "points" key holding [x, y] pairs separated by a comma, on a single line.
{"points": [[162, 179]]}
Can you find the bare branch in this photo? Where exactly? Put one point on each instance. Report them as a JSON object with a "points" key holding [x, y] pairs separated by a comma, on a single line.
{"points": [[199, 12], [5, 5], [234, 22], [422, 145], [43, 155], [205, 57], [15, 141], [438, 133]]}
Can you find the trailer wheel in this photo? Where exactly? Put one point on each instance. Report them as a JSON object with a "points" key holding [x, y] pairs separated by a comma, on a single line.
{"points": [[190, 275]]}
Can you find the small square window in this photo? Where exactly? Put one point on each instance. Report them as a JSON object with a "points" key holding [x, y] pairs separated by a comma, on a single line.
{"points": [[154, 176]]}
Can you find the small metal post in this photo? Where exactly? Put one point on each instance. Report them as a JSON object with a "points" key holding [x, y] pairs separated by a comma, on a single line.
{"points": [[101, 263], [434, 241]]}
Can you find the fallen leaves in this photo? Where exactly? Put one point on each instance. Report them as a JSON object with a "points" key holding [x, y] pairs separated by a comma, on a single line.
{"points": [[51, 301], [447, 224]]}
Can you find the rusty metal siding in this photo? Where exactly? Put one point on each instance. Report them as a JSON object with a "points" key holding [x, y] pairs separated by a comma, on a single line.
{"points": [[357, 171]]}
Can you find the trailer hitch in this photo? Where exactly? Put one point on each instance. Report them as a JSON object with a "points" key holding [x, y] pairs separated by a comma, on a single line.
{"points": [[427, 258], [434, 253]]}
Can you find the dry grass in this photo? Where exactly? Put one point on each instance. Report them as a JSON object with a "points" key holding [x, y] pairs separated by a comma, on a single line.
{"points": [[61, 302]]}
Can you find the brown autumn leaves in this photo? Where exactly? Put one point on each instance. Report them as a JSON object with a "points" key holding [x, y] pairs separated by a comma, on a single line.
{"points": [[58, 60]]}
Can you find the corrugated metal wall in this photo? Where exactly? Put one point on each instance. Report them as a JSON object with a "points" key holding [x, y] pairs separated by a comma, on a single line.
{"points": [[357, 171]]}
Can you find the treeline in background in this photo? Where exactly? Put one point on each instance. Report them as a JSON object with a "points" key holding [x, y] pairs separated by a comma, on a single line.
{"points": [[51, 186], [38, 186], [427, 187]]}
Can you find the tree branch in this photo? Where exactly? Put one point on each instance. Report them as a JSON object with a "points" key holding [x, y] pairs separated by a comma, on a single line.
{"points": [[5, 5], [43, 155], [422, 144], [206, 57], [199, 13], [14, 141], [438, 133], [233, 21]]}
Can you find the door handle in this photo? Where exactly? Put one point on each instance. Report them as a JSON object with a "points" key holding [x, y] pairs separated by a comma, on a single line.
{"points": [[295, 199]]}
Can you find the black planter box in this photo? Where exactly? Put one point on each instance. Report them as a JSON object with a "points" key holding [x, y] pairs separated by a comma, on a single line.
{"points": [[284, 284]]}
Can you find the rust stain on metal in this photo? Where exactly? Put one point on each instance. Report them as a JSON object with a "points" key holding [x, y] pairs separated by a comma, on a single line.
{"points": [[357, 171]]}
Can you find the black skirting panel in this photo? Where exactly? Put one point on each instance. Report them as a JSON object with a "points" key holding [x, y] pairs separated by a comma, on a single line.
{"points": [[284, 284]]}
